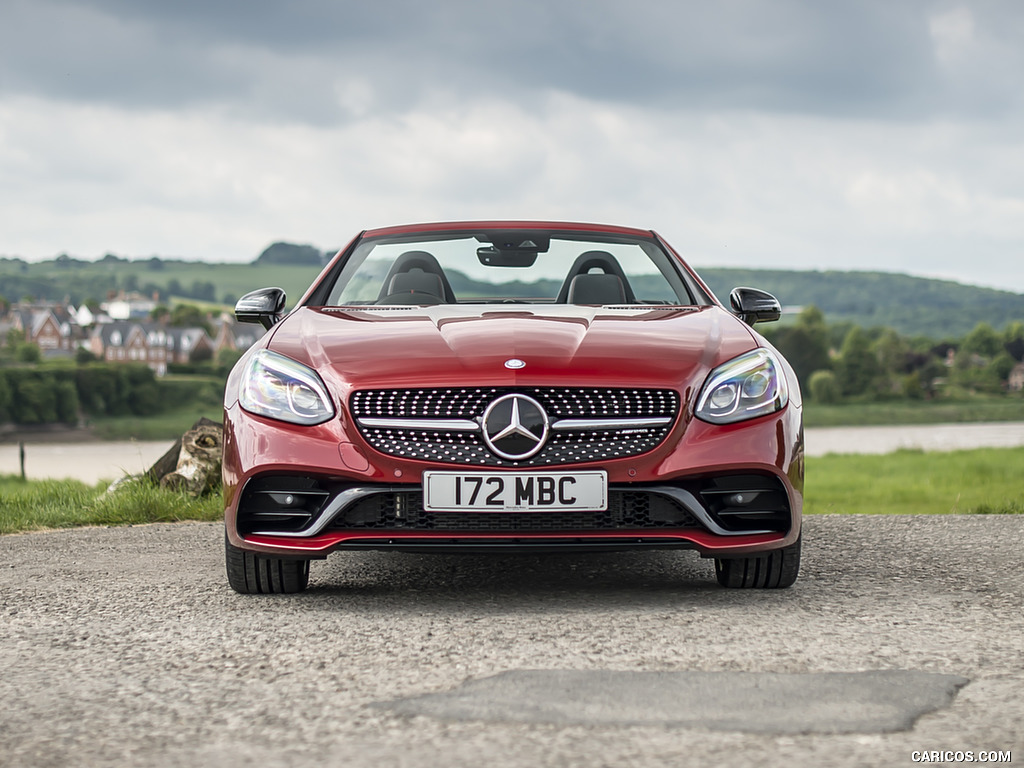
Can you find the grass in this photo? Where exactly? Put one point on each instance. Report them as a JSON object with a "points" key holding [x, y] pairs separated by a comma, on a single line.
{"points": [[165, 426], [984, 481], [36, 505]]}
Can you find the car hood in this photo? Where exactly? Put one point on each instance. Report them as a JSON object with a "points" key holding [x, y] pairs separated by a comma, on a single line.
{"points": [[558, 345]]}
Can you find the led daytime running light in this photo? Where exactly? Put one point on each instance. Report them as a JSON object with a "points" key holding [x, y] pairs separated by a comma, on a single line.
{"points": [[749, 386], [278, 387]]}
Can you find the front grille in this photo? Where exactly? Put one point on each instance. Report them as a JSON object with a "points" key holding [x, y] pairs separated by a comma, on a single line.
{"points": [[564, 446], [627, 510]]}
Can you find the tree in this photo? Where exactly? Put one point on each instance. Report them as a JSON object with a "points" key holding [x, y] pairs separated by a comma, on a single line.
{"points": [[288, 253], [805, 344], [857, 366], [893, 355], [824, 388], [203, 290], [982, 341], [189, 316], [1013, 340]]}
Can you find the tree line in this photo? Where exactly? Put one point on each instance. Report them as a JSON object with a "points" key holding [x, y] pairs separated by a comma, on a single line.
{"points": [[65, 393], [844, 362]]}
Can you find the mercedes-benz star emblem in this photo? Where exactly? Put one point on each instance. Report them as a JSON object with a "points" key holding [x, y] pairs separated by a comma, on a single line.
{"points": [[515, 427]]}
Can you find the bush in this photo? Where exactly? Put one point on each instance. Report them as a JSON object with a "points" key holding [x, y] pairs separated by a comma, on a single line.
{"points": [[911, 385], [825, 388], [28, 353], [5, 399], [35, 399], [67, 402]]}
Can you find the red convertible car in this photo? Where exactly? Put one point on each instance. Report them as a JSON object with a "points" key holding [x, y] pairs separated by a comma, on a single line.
{"points": [[495, 386]]}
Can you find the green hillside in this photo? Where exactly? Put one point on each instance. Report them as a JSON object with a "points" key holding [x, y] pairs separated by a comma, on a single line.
{"points": [[913, 306], [910, 305]]}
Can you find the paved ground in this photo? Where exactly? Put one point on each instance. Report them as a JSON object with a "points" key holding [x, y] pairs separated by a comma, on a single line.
{"points": [[125, 647]]}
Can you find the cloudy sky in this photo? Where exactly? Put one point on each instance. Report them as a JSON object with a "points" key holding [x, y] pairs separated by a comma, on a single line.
{"points": [[777, 133]]}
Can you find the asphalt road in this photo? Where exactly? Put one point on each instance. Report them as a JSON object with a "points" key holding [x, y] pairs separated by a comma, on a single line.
{"points": [[126, 647]]}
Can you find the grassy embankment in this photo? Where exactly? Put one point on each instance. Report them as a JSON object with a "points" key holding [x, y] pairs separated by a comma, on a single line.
{"points": [[985, 481], [40, 504], [982, 481]]}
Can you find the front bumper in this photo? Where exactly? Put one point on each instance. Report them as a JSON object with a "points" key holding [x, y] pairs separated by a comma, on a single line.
{"points": [[310, 491]]}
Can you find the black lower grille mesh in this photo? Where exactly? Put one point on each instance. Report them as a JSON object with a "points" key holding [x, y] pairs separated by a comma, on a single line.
{"points": [[627, 510]]}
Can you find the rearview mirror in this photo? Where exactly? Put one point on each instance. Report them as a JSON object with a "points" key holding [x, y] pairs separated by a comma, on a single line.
{"points": [[264, 306], [492, 257], [754, 306]]}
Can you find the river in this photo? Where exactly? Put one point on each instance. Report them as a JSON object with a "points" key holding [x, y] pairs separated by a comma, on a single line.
{"points": [[92, 462]]}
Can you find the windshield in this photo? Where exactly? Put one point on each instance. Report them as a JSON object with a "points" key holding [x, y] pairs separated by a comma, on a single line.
{"points": [[522, 266]]}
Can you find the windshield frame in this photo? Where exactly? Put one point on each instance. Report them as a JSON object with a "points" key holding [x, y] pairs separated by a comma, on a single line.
{"points": [[669, 268]]}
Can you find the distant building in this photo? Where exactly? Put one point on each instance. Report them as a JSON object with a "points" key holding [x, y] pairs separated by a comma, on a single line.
{"points": [[50, 326], [233, 335], [1015, 381], [154, 344], [59, 329], [131, 306]]}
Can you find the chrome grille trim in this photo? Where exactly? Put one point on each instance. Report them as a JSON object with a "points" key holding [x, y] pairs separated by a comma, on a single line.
{"points": [[464, 425], [438, 425], [589, 424], [443, 425]]}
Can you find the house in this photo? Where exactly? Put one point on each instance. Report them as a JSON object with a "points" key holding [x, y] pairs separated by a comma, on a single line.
{"points": [[51, 327], [235, 336], [1015, 381], [187, 345], [153, 344], [131, 306]]}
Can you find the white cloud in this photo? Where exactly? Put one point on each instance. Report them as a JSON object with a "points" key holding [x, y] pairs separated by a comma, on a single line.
{"points": [[730, 188], [952, 34], [804, 135]]}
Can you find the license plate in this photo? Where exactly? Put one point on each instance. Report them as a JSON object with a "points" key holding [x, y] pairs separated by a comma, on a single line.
{"points": [[515, 491]]}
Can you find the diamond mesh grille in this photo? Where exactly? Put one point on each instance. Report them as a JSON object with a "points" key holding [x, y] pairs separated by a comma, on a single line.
{"points": [[469, 403]]}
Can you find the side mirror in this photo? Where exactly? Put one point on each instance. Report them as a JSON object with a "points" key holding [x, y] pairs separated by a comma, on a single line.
{"points": [[264, 306], [754, 306]]}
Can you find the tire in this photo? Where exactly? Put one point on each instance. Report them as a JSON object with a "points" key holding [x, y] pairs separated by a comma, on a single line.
{"points": [[252, 574], [772, 570]]}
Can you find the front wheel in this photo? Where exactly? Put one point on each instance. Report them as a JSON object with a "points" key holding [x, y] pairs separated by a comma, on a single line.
{"points": [[253, 574], [772, 570]]}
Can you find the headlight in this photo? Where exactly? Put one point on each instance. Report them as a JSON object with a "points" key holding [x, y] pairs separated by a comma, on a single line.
{"points": [[748, 386], [280, 388]]}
